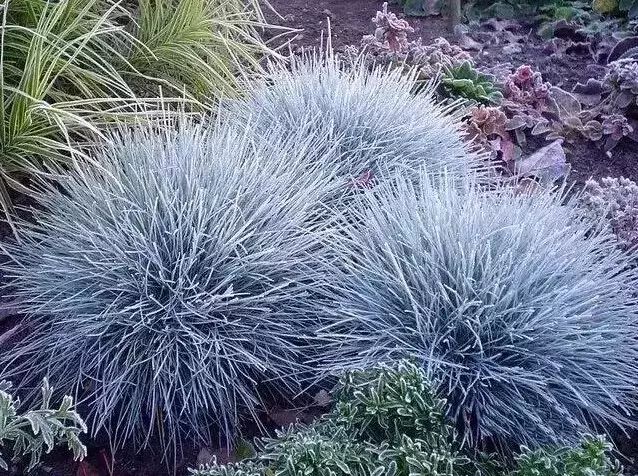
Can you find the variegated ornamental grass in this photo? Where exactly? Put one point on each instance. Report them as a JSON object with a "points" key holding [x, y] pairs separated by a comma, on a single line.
{"points": [[70, 68]]}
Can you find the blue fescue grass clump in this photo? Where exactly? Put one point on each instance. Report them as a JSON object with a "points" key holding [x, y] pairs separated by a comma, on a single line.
{"points": [[382, 125], [524, 315], [169, 282]]}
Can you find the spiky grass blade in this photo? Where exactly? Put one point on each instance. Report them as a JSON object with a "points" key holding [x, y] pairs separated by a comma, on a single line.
{"points": [[382, 126], [526, 315], [167, 285]]}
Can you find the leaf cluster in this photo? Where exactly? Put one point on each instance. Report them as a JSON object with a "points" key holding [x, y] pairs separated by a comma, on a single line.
{"points": [[38, 431]]}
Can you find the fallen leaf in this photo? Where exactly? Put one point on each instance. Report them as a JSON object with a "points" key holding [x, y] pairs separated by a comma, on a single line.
{"points": [[589, 93], [548, 164]]}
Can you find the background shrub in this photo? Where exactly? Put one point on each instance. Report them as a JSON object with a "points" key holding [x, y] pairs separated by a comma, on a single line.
{"points": [[523, 315], [169, 284], [381, 124], [614, 200]]}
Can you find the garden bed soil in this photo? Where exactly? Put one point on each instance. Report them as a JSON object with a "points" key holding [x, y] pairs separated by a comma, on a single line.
{"points": [[352, 19]]}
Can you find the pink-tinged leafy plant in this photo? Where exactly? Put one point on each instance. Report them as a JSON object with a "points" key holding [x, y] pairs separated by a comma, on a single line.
{"points": [[621, 82], [616, 126], [391, 33], [389, 44], [526, 99], [485, 127], [614, 200]]}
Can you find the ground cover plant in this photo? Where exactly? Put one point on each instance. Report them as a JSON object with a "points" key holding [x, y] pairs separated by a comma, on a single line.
{"points": [[614, 200], [388, 420], [507, 298], [32, 432], [168, 286]]}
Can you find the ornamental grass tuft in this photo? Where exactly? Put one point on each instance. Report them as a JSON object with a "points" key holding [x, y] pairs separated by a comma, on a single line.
{"points": [[524, 316], [170, 288]]}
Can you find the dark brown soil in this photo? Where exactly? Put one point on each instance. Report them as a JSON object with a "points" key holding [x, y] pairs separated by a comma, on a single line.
{"points": [[351, 19]]}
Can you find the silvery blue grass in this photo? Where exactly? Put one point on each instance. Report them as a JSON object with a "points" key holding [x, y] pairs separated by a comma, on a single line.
{"points": [[382, 125], [525, 316], [168, 282]]}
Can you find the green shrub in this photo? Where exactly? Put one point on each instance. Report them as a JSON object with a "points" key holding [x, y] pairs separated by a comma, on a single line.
{"points": [[590, 458], [37, 431], [387, 402], [388, 422]]}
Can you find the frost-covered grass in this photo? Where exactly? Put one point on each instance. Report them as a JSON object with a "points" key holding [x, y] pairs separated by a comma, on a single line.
{"points": [[523, 314], [170, 285]]}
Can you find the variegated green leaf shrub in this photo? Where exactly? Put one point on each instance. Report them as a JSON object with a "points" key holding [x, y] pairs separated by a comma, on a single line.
{"points": [[171, 285], [37, 430], [590, 458], [386, 402], [524, 317], [386, 421]]}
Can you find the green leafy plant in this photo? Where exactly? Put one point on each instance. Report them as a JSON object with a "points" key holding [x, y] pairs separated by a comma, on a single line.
{"points": [[386, 402], [387, 421], [37, 431], [370, 432], [466, 82], [508, 9], [590, 458]]}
